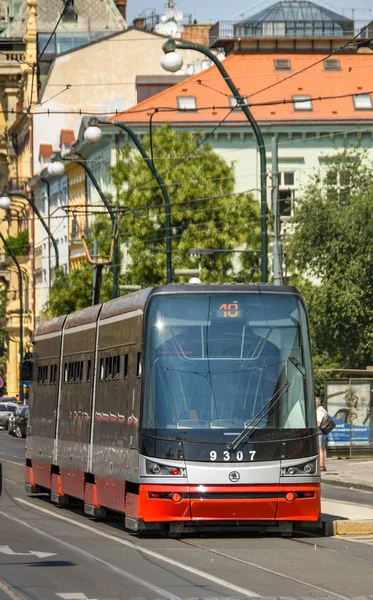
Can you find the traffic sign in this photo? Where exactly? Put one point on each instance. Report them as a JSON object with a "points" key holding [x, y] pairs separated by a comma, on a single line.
{"points": [[1, 383]]}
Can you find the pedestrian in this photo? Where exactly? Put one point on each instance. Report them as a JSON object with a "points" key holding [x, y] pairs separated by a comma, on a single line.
{"points": [[320, 415]]}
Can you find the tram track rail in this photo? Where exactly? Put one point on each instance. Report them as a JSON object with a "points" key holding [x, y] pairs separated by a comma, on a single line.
{"points": [[285, 576]]}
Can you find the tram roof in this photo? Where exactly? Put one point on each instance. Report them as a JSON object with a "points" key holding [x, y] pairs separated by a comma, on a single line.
{"points": [[137, 301]]}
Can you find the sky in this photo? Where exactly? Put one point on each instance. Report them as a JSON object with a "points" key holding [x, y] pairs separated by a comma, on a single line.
{"points": [[210, 11]]}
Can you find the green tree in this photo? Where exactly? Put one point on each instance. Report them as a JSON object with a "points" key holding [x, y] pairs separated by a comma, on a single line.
{"points": [[333, 247], [73, 291], [205, 212]]}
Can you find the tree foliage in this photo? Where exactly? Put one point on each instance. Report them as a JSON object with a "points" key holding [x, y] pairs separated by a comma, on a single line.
{"points": [[333, 246], [205, 212], [19, 244], [73, 291]]}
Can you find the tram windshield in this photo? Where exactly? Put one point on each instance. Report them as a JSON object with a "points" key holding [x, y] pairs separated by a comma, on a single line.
{"points": [[214, 361]]}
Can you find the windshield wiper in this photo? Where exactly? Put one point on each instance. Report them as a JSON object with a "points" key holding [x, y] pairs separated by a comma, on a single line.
{"points": [[245, 433], [298, 365]]}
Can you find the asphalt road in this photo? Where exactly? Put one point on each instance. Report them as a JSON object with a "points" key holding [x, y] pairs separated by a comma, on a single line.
{"points": [[47, 552]]}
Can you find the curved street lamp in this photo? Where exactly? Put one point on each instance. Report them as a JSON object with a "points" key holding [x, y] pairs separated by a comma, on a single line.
{"points": [[56, 168], [93, 134], [172, 61], [5, 202]]}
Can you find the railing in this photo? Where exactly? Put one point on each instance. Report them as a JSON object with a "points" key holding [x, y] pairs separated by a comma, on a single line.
{"points": [[226, 30], [17, 184]]}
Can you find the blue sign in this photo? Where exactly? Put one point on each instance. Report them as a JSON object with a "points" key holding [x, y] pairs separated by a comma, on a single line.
{"points": [[343, 432], [1, 383]]}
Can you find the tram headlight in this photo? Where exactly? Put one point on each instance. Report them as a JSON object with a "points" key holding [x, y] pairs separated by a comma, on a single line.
{"points": [[154, 468], [307, 468]]}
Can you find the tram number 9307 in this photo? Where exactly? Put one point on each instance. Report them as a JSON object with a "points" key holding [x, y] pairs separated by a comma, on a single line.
{"points": [[232, 456]]}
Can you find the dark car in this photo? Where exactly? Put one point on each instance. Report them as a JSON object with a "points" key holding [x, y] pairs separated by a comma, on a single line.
{"points": [[12, 420], [8, 399], [20, 425]]}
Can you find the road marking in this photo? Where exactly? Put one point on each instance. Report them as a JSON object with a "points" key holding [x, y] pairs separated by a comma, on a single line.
{"points": [[12, 462], [146, 551], [74, 596], [10, 552], [160, 592]]}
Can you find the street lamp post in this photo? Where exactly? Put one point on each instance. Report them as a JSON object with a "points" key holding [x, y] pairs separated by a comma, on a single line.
{"points": [[20, 293], [93, 134], [31, 202], [173, 62], [57, 168]]}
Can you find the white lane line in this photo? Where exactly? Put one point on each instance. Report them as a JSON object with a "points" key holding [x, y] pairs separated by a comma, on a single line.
{"points": [[221, 582], [143, 582], [12, 462], [73, 596]]}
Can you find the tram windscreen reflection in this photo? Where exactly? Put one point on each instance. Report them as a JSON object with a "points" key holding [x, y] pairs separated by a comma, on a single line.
{"points": [[213, 361]]}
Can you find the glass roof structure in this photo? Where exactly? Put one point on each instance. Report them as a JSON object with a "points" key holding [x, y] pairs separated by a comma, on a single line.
{"points": [[295, 18]]}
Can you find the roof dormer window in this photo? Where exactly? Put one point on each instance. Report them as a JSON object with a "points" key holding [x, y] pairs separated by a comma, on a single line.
{"points": [[282, 64], [234, 102], [302, 103], [187, 103], [332, 64], [363, 102]]}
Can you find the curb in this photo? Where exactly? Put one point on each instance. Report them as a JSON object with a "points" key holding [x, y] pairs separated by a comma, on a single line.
{"points": [[347, 484], [331, 527]]}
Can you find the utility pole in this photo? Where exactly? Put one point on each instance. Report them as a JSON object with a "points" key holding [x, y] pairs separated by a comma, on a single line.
{"points": [[277, 249]]}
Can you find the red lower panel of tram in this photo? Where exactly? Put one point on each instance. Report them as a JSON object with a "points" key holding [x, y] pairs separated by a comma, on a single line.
{"points": [[162, 503]]}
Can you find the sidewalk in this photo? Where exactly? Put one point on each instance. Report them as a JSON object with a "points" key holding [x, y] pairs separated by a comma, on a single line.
{"points": [[351, 473]]}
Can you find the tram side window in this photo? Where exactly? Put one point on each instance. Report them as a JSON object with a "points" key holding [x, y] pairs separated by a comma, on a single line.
{"points": [[125, 366], [139, 365], [53, 375], [89, 368], [116, 367], [43, 375]]}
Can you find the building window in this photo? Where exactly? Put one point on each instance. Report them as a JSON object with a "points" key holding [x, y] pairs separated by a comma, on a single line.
{"points": [[125, 369], [233, 102], [282, 64], [332, 64], [363, 102], [187, 103], [302, 103], [287, 184]]}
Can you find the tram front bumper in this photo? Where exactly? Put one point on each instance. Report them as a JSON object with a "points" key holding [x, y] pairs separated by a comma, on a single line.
{"points": [[171, 503]]}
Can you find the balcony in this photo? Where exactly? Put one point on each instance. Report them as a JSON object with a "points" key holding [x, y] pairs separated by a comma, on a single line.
{"points": [[227, 31]]}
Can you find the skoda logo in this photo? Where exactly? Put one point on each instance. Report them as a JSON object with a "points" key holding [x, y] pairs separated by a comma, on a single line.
{"points": [[234, 476]]}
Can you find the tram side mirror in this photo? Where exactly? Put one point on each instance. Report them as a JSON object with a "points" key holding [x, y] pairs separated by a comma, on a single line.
{"points": [[26, 370]]}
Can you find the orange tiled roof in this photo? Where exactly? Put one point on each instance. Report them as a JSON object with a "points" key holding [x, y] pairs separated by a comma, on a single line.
{"points": [[46, 150], [67, 136], [254, 72]]}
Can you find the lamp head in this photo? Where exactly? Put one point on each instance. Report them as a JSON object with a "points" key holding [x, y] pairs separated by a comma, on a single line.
{"points": [[93, 134], [56, 168], [5, 202], [171, 61]]}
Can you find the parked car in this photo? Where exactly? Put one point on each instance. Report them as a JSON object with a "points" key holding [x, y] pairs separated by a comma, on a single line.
{"points": [[6, 410], [12, 420], [20, 425], [9, 399]]}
